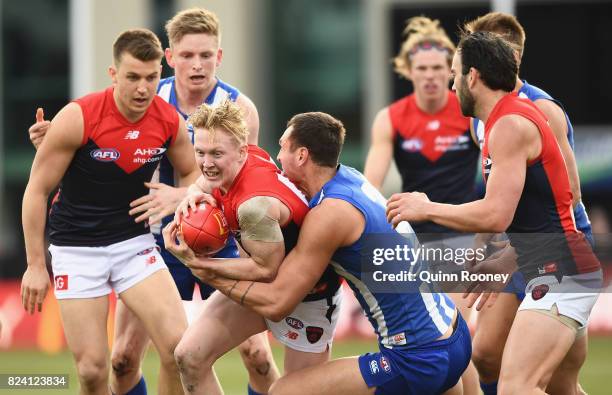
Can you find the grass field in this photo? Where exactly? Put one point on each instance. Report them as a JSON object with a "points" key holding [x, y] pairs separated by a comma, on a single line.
{"points": [[596, 377]]}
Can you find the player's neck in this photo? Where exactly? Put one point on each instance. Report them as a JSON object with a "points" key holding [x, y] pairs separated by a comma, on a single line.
{"points": [[318, 177], [189, 100], [519, 84], [487, 103], [431, 105]]}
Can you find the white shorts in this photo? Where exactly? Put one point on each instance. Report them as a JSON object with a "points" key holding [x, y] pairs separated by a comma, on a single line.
{"points": [[90, 272], [308, 328], [574, 297]]}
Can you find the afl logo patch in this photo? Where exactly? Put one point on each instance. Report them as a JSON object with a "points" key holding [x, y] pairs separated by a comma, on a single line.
{"points": [[105, 154], [294, 323], [412, 145]]}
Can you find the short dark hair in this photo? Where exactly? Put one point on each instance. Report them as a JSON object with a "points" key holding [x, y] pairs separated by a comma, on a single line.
{"points": [[492, 56], [506, 25], [322, 134], [142, 44]]}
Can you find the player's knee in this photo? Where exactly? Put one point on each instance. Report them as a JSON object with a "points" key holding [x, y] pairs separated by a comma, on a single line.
{"points": [[256, 357], [487, 360], [93, 372], [125, 361], [167, 351], [188, 361]]}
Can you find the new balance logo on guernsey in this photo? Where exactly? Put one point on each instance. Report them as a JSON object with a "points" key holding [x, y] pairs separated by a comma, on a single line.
{"points": [[61, 282], [132, 135]]}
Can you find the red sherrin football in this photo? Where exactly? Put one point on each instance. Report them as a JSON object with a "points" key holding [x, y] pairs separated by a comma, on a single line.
{"points": [[205, 231]]}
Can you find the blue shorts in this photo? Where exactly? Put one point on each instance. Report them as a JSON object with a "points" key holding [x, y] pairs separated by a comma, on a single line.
{"points": [[430, 369], [582, 222], [185, 280], [516, 285]]}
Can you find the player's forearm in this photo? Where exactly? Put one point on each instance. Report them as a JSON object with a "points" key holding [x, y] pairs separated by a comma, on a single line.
{"points": [[263, 298], [34, 209], [200, 185], [245, 269], [476, 217]]}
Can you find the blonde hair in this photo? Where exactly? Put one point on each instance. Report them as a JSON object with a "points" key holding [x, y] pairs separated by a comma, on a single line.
{"points": [[192, 21], [505, 25], [421, 33], [226, 116]]}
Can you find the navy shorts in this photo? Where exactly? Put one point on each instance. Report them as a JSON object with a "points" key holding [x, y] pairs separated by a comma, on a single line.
{"points": [[430, 369], [184, 279], [517, 283]]}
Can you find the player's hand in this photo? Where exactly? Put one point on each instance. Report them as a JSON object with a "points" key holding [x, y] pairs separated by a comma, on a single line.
{"points": [[501, 262], [191, 202], [155, 206], [409, 206], [34, 287], [175, 244], [39, 129]]}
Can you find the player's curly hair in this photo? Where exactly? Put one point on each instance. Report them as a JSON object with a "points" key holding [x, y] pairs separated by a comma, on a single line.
{"points": [[226, 116], [421, 33], [192, 21]]}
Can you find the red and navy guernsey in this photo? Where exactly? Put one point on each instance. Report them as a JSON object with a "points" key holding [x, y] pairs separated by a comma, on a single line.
{"points": [[108, 171]]}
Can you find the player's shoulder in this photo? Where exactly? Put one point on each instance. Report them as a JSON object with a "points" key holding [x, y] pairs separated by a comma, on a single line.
{"points": [[406, 103], [533, 92], [232, 92], [164, 88], [162, 110], [513, 126]]}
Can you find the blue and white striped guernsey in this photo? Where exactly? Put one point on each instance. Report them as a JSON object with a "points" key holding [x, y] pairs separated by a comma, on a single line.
{"points": [[400, 319]]}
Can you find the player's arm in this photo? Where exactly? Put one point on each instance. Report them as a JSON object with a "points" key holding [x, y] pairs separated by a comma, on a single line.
{"points": [[473, 133], [381, 149], [558, 124], [331, 225], [251, 117], [153, 207], [53, 157], [512, 143], [261, 237], [182, 157]]}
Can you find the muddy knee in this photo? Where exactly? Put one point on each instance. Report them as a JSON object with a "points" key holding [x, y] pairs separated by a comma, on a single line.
{"points": [[124, 362], [256, 357]]}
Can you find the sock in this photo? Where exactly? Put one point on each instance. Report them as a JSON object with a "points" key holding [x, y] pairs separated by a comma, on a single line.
{"points": [[489, 389], [250, 391], [139, 389]]}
